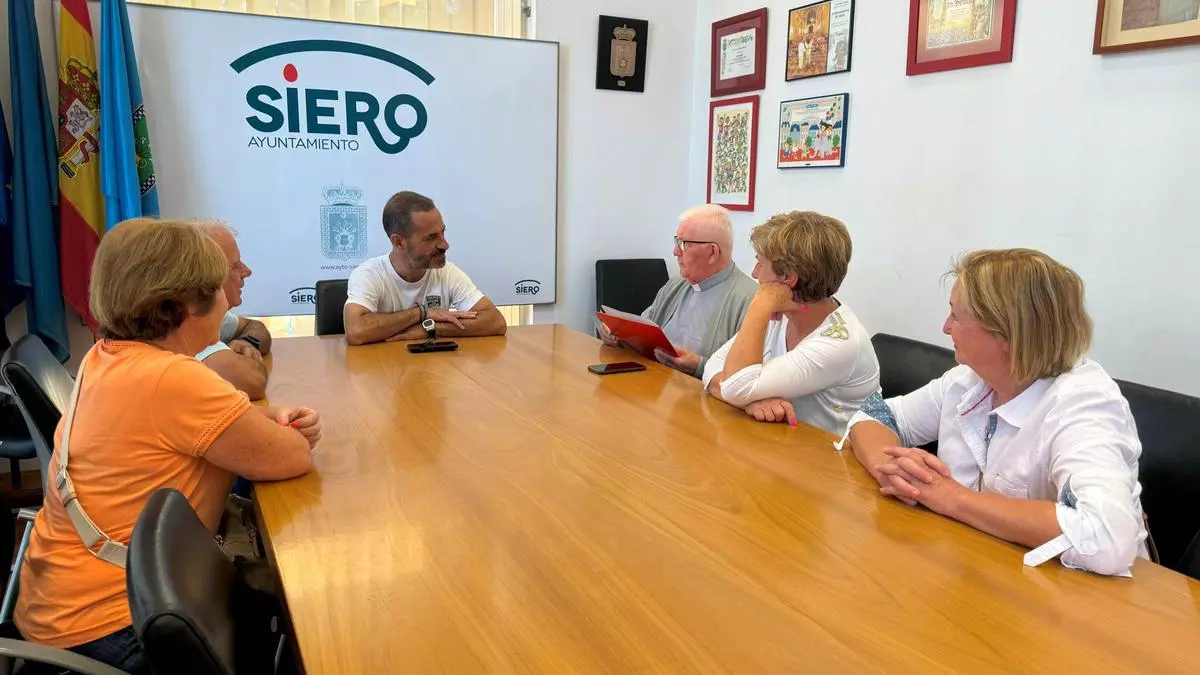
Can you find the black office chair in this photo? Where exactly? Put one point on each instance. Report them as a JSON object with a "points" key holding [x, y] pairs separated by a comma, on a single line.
{"points": [[1168, 425], [1190, 565], [907, 365], [629, 285], [15, 443], [331, 299], [42, 389], [190, 610]]}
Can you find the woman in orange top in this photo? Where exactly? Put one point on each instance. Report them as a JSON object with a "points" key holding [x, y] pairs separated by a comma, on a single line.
{"points": [[148, 416]]}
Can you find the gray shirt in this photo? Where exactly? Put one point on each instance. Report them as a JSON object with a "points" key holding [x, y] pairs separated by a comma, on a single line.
{"points": [[689, 324], [708, 316]]}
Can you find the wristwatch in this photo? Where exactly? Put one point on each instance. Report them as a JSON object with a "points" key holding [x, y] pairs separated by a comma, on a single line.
{"points": [[430, 327], [254, 342]]}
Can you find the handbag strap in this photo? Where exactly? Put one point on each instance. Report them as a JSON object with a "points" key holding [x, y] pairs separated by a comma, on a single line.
{"points": [[94, 539]]}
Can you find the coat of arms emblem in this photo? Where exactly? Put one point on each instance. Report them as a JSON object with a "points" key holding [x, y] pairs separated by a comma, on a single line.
{"points": [[79, 101], [623, 62], [343, 223]]}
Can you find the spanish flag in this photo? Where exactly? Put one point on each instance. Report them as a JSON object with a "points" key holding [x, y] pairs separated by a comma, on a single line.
{"points": [[81, 204]]}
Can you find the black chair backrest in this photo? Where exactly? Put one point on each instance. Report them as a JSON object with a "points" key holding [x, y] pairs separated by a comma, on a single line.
{"points": [[42, 388], [1190, 565], [907, 365], [331, 299], [179, 583], [1168, 425], [629, 285]]}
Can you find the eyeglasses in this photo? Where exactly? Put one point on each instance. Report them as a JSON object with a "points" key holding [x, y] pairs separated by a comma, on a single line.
{"points": [[683, 243]]}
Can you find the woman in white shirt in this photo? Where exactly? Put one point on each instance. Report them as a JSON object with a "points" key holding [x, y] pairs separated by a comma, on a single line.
{"points": [[1036, 444], [800, 355]]}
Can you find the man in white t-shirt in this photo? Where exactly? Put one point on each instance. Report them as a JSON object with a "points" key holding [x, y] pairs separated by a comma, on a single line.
{"points": [[238, 355], [389, 297]]}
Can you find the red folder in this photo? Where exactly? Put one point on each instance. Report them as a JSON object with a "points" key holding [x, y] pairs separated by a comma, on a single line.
{"points": [[643, 336]]}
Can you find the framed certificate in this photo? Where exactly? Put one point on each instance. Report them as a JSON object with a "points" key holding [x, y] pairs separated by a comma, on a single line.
{"points": [[1131, 25], [820, 35], [732, 152], [812, 132], [739, 54], [951, 34]]}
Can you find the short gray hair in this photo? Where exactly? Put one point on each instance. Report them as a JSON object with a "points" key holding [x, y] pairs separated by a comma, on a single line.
{"points": [[211, 226], [714, 216]]}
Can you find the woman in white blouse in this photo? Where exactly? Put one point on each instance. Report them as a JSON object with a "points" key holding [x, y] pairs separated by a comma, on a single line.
{"points": [[800, 355], [1036, 444]]}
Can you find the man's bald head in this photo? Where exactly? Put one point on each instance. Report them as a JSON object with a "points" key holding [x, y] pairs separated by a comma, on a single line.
{"points": [[226, 238], [705, 242], [709, 222]]}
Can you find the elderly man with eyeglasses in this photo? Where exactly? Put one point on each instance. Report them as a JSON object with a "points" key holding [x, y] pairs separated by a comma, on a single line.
{"points": [[702, 309], [238, 356]]}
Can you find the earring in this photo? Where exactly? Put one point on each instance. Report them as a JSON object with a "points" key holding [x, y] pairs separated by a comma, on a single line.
{"points": [[804, 308]]}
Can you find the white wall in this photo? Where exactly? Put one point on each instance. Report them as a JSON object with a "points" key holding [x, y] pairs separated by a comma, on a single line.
{"points": [[623, 157], [1094, 160]]}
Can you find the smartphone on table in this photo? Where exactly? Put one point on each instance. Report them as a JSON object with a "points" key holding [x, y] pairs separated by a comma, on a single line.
{"points": [[614, 368], [436, 346]]}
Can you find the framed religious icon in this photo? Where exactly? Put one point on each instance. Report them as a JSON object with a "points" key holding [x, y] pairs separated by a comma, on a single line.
{"points": [[739, 54], [732, 152], [621, 54], [812, 132], [1131, 25], [819, 39], [951, 34]]}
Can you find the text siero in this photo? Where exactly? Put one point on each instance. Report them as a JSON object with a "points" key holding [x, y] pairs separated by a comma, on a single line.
{"points": [[528, 287], [362, 112], [302, 296]]}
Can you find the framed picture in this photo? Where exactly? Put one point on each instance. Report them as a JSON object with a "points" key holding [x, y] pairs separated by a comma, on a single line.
{"points": [[732, 152], [739, 54], [812, 132], [951, 34], [1130, 25], [621, 54], [820, 35]]}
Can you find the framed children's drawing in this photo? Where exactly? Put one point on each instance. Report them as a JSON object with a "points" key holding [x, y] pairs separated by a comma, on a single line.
{"points": [[732, 152], [812, 132]]}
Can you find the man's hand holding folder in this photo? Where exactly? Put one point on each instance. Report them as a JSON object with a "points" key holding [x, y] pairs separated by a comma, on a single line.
{"points": [[633, 332]]}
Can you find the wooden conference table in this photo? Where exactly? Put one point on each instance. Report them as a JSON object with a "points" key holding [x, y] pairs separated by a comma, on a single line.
{"points": [[502, 509]]}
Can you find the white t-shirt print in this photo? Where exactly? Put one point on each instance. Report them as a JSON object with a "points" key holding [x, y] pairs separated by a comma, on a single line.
{"points": [[376, 286]]}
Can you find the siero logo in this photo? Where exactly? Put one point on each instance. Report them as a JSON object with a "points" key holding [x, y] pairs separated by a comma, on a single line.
{"points": [[528, 287], [330, 119], [306, 295]]}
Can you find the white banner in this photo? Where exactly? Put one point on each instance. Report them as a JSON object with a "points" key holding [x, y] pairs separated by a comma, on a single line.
{"points": [[297, 132]]}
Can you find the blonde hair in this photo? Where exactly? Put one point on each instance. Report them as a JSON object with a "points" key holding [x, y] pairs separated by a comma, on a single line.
{"points": [[1033, 302], [148, 273], [816, 248]]}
